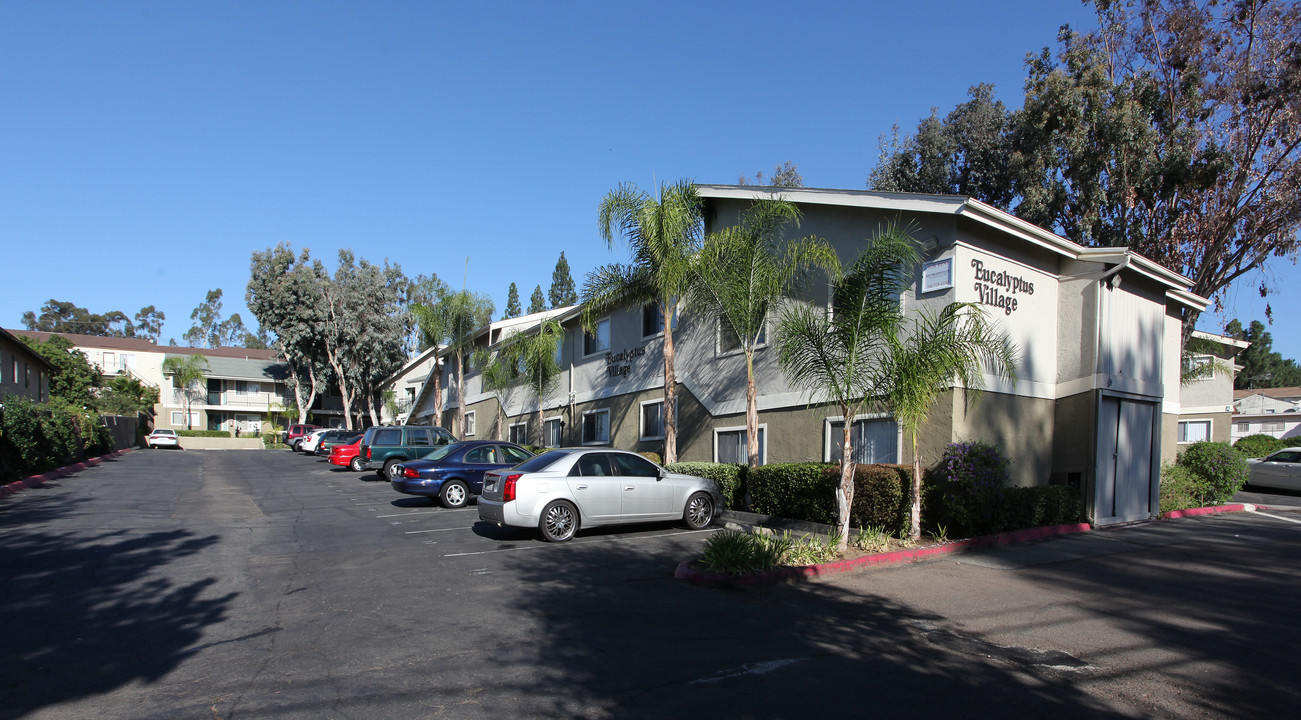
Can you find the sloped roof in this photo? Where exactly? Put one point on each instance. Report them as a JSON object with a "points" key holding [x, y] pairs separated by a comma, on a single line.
{"points": [[145, 345], [1280, 393], [241, 368]]}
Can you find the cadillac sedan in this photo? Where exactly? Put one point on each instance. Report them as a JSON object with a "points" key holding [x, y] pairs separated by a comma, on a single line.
{"points": [[1280, 469], [563, 490], [453, 473]]}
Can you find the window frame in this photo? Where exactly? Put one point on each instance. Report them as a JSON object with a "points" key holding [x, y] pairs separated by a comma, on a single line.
{"points": [[739, 349], [831, 420], [600, 351], [471, 423], [641, 419], [763, 441], [546, 436], [652, 306], [1181, 433], [582, 436], [524, 430]]}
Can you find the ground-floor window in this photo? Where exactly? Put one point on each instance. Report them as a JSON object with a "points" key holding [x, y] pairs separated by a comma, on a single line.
{"points": [[519, 433], [729, 446], [178, 419], [1244, 427], [874, 440], [652, 420], [469, 423], [551, 432], [1272, 426], [1191, 431], [596, 427]]}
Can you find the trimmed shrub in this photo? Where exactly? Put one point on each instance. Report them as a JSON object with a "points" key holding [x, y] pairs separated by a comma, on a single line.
{"points": [[1181, 488], [1259, 445], [799, 491], [730, 478], [1219, 466], [205, 433], [881, 496]]}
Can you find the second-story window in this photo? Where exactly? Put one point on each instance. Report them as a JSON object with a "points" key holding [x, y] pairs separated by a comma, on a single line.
{"points": [[599, 341]]}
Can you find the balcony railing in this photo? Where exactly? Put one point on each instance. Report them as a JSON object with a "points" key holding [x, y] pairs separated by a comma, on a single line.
{"points": [[231, 399]]}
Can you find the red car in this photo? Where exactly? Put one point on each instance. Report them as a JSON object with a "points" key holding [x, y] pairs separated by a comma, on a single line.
{"points": [[347, 455]]}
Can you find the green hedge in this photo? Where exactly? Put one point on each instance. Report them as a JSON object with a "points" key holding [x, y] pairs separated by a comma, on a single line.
{"points": [[205, 433], [35, 438], [799, 491], [1260, 445], [730, 478], [1181, 489], [1221, 468]]}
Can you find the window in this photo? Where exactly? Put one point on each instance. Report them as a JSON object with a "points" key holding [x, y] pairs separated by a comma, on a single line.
{"points": [[484, 455], [513, 455], [1271, 426], [1200, 367], [551, 432], [469, 423], [27, 375], [592, 465], [652, 320], [729, 446], [388, 437], [652, 420], [728, 342], [596, 427], [244, 387], [634, 465], [418, 436], [875, 440], [1191, 431], [519, 433], [110, 362], [1244, 427], [178, 418], [599, 341]]}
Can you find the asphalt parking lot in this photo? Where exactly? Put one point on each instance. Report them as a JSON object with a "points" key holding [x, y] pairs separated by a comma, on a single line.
{"points": [[168, 584]]}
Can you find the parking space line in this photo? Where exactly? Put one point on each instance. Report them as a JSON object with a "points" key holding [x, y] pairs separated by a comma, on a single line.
{"points": [[424, 512], [417, 532]]}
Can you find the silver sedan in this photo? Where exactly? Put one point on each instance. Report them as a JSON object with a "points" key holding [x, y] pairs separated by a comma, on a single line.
{"points": [[562, 490], [1280, 469]]}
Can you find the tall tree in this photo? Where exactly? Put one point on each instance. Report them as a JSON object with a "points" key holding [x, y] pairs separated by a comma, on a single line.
{"points": [[1262, 367], [538, 302], [466, 313], [189, 375], [433, 321], [73, 379], [562, 292], [498, 375], [867, 352], [149, 323], [211, 331], [663, 235], [784, 175], [66, 317], [279, 291], [533, 353], [512, 303], [742, 273]]}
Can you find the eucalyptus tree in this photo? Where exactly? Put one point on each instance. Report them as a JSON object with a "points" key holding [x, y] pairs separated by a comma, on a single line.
{"points": [[189, 374], [742, 272], [663, 234], [280, 294]]}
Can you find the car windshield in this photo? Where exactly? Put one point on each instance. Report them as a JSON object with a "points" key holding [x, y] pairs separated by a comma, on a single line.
{"points": [[541, 462]]}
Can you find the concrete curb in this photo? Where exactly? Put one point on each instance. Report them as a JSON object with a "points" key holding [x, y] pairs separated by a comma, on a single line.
{"points": [[688, 572], [66, 470]]}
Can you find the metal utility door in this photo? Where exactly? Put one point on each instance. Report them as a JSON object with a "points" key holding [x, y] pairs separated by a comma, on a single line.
{"points": [[1123, 489]]}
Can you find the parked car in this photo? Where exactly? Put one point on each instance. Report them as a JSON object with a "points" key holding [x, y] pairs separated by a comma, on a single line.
{"points": [[1279, 469], [562, 490], [382, 448], [347, 455], [308, 444], [296, 433], [335, 437], [162, 438], [453, 473]]}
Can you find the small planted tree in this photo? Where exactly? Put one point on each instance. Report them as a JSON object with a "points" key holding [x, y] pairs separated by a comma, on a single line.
{"points": [[189, 374]]}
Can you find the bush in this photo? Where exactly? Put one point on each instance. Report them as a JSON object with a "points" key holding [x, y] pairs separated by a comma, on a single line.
{"points": [[964, 492], [35, 438], [730, 478], [1218, 466], [1181, 489], [799, 491], [205, 433], [1259, 445], [881, 496]]}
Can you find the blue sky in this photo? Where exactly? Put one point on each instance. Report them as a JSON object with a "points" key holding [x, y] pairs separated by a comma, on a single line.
{"points": [[148, 148]]}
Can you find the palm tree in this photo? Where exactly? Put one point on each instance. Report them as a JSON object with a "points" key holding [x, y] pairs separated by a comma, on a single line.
{"points": [[922, 362], [498, 374], [742, 272], [663, 234], [536, 356], [450, 322], [188, 371], [868, 352]]}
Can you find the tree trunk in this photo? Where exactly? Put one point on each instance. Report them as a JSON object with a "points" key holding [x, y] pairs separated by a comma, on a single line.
{"points": [[670, 394], [751, 420], [845, 496], [460, 397], [344, 396], [437, 373], [915, 513], [501, 418]]}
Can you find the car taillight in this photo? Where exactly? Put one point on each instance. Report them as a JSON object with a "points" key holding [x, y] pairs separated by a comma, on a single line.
{"points": [[410, 472], [368, 452], [508, 489]]}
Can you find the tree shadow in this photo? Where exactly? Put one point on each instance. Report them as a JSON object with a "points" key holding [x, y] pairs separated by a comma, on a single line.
{"points": [[83, 613], [616, 637]]}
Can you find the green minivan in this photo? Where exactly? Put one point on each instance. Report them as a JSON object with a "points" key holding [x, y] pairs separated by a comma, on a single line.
{"points": [[383, 447]]}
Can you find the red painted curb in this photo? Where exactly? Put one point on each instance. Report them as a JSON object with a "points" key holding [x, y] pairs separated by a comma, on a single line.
{"points": [[1194, 512], [688, 572], [66, 470]]}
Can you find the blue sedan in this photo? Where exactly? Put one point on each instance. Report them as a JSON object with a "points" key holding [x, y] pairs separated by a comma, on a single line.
{"points": [[455, 472]]}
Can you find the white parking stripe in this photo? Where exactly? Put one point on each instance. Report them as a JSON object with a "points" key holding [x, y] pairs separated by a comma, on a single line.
{"points": [[425, 512], [1278, 517], [417, 532]]}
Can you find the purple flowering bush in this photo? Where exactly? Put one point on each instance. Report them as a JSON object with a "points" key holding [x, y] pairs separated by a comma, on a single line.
{"points": [[966, 489], [1221, 469]]}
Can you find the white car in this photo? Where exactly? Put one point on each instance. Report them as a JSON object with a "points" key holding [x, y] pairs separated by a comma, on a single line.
{"points": [[562, 490], [308, 444], [162, 438], [1279, 469]]}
